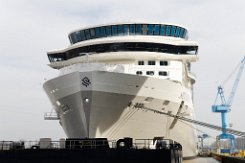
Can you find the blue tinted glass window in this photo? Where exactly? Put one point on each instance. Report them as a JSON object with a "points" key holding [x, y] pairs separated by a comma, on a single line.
{"points": [[177, 31], [108, 31], [87, 34], [168, 30], [173, 30], [126, 29], [97, 32], [114, 30], [82, 35], [185, 34], [132, 29], [120, 29], [102, 31], [138, 28], [162, 31], [92, 33], [181, 32], [150, 29], [156, 29], [143, 29], [78, 36], [73, 38]]}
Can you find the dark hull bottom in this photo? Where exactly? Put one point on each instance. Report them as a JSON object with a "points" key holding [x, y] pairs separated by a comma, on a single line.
{"points": [[90, 156]]}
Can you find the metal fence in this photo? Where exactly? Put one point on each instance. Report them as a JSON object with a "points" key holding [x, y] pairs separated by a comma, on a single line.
{"points": [[47, 143]]}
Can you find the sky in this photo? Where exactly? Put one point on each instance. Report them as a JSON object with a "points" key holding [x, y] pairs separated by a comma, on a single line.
{"points": [[30, 28]]}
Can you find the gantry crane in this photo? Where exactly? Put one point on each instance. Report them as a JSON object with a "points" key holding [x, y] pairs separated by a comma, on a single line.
{"points": [[225, 106]]}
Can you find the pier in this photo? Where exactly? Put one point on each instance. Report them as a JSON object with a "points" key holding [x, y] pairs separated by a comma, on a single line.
{"points": [[202, 160]]}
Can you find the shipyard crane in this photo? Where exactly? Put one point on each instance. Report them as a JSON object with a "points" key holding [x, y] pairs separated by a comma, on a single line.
{"points": [[225, 106]]}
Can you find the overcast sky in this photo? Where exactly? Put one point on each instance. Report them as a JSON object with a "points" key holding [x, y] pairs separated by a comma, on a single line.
{"points": [[30, 28]]}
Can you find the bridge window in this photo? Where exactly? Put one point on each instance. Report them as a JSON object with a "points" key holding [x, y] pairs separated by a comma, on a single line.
{"points": [[173, 31], [156, 29], [162, 32], [92, 33], [129, 46], [78, 36], [83, 35], [150, 73], [138, 29], [181, 32], [132, 29], [56, 57], [191, 50], [120, 29], [150, 29], [126, 28], [151, 62], [177, 31], [87, 34], [103, 32], [108, 30], [72, 38], [114, 30], [168, 30], [97, 32]]}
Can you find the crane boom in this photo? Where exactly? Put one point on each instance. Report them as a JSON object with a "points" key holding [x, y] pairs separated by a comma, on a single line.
{"points": [[233, 91]]}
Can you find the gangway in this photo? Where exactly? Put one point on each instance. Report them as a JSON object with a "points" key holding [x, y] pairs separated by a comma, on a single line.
{"points": [[200, 123]]}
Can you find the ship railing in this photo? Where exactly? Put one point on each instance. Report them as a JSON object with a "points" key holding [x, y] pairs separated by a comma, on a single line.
{"points": [[143, 143], [9, 145], [19, 145], [46, 143], [89, 143], [155, 143]]}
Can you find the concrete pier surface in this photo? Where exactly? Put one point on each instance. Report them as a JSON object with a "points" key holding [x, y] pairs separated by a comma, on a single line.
{"points": [[202, 160]]}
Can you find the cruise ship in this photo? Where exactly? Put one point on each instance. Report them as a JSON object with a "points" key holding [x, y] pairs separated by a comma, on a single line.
{"points": [[111, 74]]}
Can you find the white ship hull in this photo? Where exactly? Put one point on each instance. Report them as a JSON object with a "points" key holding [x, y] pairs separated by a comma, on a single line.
{"points": [[108, 104]]}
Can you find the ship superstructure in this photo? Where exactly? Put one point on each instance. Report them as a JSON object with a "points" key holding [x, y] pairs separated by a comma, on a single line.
{"points": [[111, 73]]}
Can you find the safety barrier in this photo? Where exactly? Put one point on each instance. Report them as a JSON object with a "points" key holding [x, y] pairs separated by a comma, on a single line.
{"points": [[92, 151]]}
